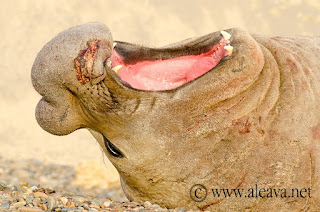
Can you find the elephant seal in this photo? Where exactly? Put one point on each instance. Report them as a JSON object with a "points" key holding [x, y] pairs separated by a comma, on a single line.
{"points": [[202, 120]]}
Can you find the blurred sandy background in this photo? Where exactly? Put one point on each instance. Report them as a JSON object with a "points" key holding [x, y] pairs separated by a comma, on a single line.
{"points": [[27, 25]]}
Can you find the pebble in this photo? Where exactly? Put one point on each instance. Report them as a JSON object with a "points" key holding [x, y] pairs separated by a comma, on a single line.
{"points": [[14, 188], [5, 204], [28, 191], [19, 204], [72, 205], [34, 188], [55, 207], [29, 199], [29, 209], [147, 204], [43, 200], [86, 207], [50, 202], [107, 203], [79, 199], [63, 200], [94, 206], [181, 209], [40, 194], [70, 209], [155, 206], [2, 186], [44, 207], [36, 202]]}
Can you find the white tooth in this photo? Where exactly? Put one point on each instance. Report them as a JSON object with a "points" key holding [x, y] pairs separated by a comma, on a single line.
{"points": [[229, 49], [117, 68], [225, 35], [114, 44], [109, 63]]}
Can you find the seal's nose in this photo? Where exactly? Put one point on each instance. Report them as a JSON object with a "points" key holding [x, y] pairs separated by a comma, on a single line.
{"points": [[54, 74]]}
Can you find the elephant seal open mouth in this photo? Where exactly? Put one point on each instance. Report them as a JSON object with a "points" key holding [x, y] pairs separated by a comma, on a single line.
{"points": [[166, 69], [228, 110], [157, 69]]}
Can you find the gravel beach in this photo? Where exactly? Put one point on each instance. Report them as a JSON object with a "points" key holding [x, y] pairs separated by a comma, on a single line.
{"points": [[33, 186]]}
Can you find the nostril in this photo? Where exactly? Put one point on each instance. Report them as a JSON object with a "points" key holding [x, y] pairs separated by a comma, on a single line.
{"points": [[112, 149]]}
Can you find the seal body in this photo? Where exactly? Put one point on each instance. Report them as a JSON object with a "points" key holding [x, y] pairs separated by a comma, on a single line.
{"points": [[250, 123]]}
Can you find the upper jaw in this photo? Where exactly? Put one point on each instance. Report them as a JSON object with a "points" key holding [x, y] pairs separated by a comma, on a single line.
{"points": [[133, 53]]}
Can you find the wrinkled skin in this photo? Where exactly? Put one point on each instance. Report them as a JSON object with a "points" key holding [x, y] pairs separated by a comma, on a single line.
{"points": [[253, 119]]}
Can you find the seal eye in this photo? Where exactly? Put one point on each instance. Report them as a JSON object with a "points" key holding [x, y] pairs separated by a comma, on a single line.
{"points": [[112, 149]]}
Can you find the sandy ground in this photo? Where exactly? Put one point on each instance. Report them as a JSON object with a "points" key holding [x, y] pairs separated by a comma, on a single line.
{"points": [[27, 25]]}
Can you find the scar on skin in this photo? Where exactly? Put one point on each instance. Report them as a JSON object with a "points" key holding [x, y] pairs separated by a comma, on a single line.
{"points": [[85, 61], [197, 124], [316, 132], [244, 127], [293, 65], [233, 106]]}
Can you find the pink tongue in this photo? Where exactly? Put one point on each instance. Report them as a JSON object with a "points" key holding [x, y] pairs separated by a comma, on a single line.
{"points": [[170, 73]]}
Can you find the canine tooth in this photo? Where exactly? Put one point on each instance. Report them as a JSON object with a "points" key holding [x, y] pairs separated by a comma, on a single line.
{"points": [[225, 35], [229, 49], [114, 44], [117, 68], [109, 63]]}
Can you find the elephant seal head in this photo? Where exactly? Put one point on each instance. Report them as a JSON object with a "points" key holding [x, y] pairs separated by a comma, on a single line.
{"points": [[164, 116]]}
